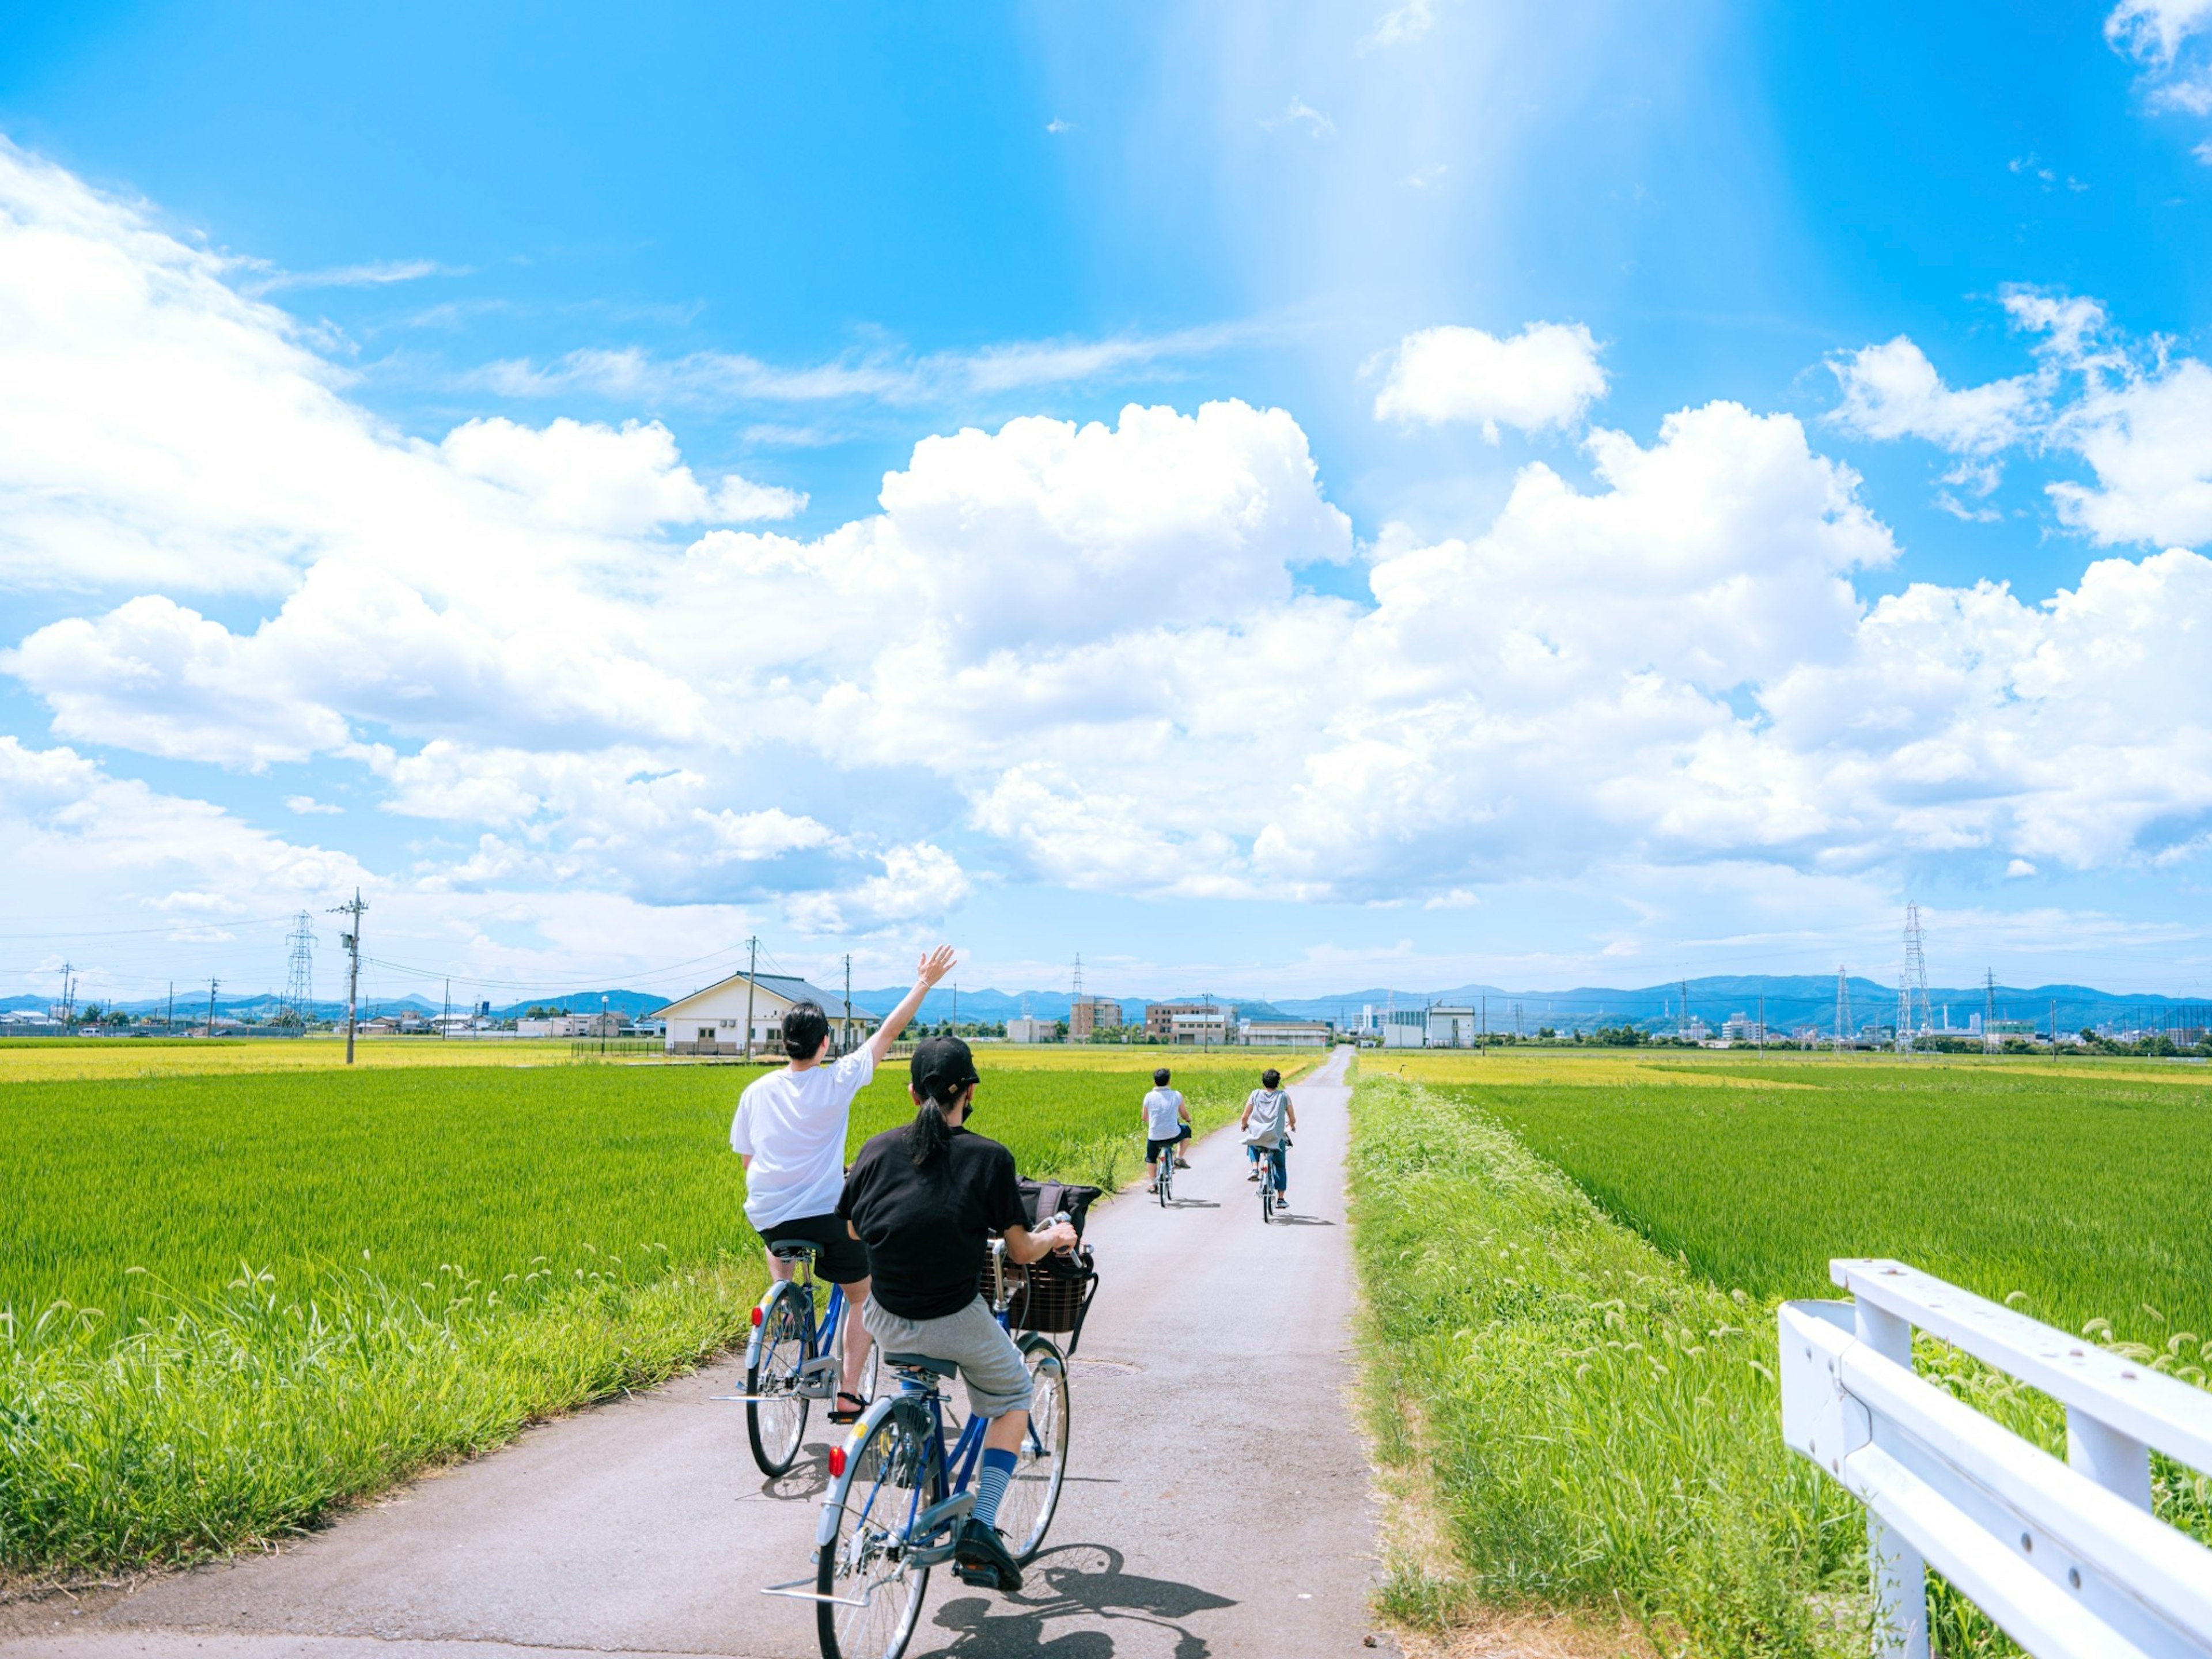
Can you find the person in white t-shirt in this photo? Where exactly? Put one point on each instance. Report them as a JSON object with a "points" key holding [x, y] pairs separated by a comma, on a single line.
{"points": [[1167, 1123], [790, 1130]]}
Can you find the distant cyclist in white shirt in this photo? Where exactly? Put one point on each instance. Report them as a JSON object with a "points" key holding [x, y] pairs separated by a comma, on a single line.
{"points": [[790, 1130], [1167, 1123]]}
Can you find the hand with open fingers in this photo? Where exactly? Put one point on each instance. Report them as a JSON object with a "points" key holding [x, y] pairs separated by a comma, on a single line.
{"points": [[936, 965]]}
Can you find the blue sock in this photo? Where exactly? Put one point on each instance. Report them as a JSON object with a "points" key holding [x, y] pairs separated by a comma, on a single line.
{"points": [[991, 1483]]}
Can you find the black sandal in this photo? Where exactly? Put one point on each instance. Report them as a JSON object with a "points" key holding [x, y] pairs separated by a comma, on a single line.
{"points": [[839, 1414]]}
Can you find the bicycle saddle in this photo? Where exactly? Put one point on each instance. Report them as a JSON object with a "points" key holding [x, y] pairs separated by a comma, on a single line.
{"points": [[921, 1362], [794, 1250]]}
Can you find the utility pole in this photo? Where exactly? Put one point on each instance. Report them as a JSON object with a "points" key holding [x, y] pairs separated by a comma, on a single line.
{"points": [[1484, 1040], [1762, 1025], [445, 1010], [169, 1020], [1686, 1009], [752, 970], [1842, 1006], [2054, 1031], [210, 1023], [845, 1042], [603, 1024], [349, 942]]}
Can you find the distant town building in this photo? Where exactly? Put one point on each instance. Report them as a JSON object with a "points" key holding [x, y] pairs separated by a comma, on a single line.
{"points": [[713, 1021], [1199, 1024], [1285, 1033], [1022, 1029], [1405, 1028], [1449, 1027], [1088, 1015], [1742, 1027]]}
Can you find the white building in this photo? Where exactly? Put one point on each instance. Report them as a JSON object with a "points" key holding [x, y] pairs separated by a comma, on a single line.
{"points": [[1022, 1028], [1743, 1029], [1285, 1033], [713, 1021], [1406, 1028], [1452, 1028]]}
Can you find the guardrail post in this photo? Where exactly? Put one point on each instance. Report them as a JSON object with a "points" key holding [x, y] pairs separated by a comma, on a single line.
{"points": [[1900, 1572], [2112, 1459]]}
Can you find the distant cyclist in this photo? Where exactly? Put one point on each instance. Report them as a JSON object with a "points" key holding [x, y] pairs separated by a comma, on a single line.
{"points": [[790, 1130], [1167, 1123], [925, 1199], [1268, 1119]]}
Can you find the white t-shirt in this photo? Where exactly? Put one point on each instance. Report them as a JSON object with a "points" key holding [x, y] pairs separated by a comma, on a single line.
{"points": [[1163, 1110], [792, 1125]]}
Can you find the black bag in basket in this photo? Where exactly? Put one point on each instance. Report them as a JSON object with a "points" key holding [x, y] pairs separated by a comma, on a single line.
{"points": [[1044, 1198]]}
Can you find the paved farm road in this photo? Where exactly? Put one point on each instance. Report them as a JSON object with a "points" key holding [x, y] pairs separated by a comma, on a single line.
{"points": [[1217, 1500]]}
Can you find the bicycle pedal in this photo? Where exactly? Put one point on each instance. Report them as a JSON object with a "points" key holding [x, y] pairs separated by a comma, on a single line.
{"points": [[980, 1578]]}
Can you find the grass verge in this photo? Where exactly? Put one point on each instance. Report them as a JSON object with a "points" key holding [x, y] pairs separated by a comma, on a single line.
{"points": [[1600, 1424]]}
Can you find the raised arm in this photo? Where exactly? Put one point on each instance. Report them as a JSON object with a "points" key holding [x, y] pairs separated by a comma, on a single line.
{"points": [[932, 968]]}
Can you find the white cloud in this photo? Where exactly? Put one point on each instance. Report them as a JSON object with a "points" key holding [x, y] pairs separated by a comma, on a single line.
{"points": [[1546, 376], [1892, 390], [2150, 441], [1402, 24], [1299, 113], [375, 274], [308, 806], [1075, 651]]}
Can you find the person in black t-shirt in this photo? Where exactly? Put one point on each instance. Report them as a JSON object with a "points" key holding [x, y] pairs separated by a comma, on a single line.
{"points": [[924, 1197]]}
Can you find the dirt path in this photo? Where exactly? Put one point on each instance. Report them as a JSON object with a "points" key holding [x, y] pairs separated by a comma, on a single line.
{"points": [[1218, 1501]]}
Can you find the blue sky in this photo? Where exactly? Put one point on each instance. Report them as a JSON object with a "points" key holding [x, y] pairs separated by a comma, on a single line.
{"points": [[1540, 564]]}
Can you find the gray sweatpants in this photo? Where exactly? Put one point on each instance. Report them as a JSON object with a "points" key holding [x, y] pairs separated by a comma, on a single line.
{"points": [[991, 1367]]}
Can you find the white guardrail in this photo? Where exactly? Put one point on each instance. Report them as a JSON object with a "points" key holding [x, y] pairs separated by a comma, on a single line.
{"points": [[2065, 1557]]}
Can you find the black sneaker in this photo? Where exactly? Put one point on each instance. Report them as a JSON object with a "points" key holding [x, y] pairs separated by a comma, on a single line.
{"points": [[980, 1557]]}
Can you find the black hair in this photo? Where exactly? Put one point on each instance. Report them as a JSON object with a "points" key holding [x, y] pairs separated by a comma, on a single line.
{"points": [[805, 1029], [942, 1072], [1160, 1078], [1271, 1079]]}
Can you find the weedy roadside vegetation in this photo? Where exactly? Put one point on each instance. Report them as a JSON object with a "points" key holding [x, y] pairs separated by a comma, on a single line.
{"points": [[1502, 1221], [231, 1302]]}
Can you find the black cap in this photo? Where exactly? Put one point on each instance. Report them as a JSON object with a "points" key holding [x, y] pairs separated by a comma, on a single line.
{"points": [[942, 1069]]}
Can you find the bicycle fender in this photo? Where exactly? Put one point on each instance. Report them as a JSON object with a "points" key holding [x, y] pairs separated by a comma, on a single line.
{"points": [[767, 1301]]}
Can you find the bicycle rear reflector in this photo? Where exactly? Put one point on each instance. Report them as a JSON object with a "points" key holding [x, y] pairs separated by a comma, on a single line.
{"points": [[757, 1314], [836, 1461]]}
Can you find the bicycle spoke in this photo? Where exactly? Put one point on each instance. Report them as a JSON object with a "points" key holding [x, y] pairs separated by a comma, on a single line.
{"points": [[775, 1416], [875, 1594], [1041, 1467]]}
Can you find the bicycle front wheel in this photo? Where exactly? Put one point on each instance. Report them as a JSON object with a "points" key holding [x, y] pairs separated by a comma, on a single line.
{"points": [[776, 1412], [871, 1592], [1033, 1494]]}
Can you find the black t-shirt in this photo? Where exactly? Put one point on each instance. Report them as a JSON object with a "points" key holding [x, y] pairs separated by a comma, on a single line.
{"points": [[925, 1228]]}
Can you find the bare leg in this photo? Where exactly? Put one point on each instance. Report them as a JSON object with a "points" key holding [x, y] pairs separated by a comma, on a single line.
{"points": [[1006, 1432], [777, 1266], [856, 1334]]}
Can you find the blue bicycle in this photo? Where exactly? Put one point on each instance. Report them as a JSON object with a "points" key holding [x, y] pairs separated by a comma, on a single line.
{"points": [[899, 1494], [791, 1362]]}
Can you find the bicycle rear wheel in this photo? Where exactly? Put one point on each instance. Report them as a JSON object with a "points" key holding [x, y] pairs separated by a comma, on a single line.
{"points": [[1033, 1494], [776, 1412], [872, 1593], [1167, 1176], [1266, 1199]]}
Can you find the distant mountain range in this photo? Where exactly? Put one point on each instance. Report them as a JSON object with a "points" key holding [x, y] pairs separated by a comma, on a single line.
{"points": [[1790, 1001]]}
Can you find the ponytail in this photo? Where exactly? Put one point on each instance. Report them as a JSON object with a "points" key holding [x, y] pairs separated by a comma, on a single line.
{"points": [[928, 1134]]}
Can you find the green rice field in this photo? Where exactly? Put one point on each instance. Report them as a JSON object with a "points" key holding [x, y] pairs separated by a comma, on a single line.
{"points": [[228, 1301], [1572, 1269]]}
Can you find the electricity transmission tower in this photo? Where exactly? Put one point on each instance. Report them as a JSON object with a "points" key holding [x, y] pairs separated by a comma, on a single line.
{"points": [[299, 979], [1843, 1005], [1914, 985], [350, 942], [1990, 1042]]}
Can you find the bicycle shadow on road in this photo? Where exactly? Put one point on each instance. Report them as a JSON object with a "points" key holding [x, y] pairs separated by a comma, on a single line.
{"points": [[1192, 1203], [1284, 1218], [1073, 1584]]}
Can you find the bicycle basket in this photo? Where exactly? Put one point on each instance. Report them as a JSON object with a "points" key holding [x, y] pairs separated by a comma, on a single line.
{"points": [[1050, 1295]]}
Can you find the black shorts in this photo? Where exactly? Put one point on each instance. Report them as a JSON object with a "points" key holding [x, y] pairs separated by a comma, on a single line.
{"points": [[844, 1259], [1152, 1147]]}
